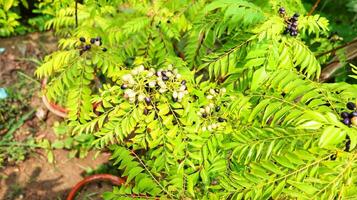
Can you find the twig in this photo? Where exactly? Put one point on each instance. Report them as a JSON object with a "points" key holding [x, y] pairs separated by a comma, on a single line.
{"points": [[337, 48], [313, 7], [76, 12]]}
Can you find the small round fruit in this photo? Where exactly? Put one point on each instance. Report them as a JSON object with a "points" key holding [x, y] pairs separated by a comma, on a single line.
{"points": [[165, 78], [147, 100], [351, 105], [344, 115], [296, 15], [204, 115], [294, 33], [82, 39], [174, 99], [124, 86], [282, 10], [146, 111], [354, 121], [220, 119], [346, 121], [104, 49], [87, 47], [98, 39], [183, 82], [92, 40], [218, 108], [353, 114]]}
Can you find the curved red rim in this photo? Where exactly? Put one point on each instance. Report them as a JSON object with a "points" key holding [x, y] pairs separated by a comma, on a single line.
{"points": [[53, 107]]}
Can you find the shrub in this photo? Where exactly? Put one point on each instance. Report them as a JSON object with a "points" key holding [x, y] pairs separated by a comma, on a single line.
{"points": [[206, 99]]}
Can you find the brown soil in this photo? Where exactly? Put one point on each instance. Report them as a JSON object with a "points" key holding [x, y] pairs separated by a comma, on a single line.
{"points": [[35, 178]]}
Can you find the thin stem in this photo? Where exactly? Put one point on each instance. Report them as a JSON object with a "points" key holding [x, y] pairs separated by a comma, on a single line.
{"points": [[314, 7], [337, 48], [76, 12]]}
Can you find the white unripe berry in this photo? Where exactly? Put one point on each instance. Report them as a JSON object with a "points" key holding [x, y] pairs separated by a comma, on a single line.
{"points": [[211, 105], [223, 90], [212, 91], [169, 67], [180, 95], [169, 74], [141, 97], [209, 97], [130, 93], [199, 113], [175, 71], [141, 68], [134, 72], [127, 77], [207, 109], [162, 90], [152, 84], [209, 128], [150, 74], [183, 88], [204, 128], [175, 94], [202, 110], [178, 76], [214, 126]]}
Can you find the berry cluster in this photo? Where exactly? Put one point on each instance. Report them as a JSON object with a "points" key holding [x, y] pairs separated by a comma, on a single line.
{"points": [[209, 111], [350, 118], [96, 41], [291, 24], [140, 84]]}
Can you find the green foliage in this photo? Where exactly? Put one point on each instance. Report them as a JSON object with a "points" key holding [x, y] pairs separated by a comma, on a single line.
{"points": [[251, 122]]}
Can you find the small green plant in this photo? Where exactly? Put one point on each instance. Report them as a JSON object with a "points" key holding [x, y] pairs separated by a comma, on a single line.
{"points": [[206, 99]]}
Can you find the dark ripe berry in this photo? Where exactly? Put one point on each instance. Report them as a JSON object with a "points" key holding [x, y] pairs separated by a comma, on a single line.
{"points": [[287, 30], [296, 15], [294, 23], [183, 82], [216, 90], [165, 78], [81, 51], [146, 111], [344, 115], [288, 26], [82, 39], [282, 10], [104, 49], [333, 157], [163, 73], [124, 86], [168, 21], [174, 99], [147, 100], [346, 121], [204, 115], [92, 40], [218, 108], [98, 39], [353, 114], [220, 119], [87, 47], [294, 19], [351, 106], [294, 33], [348, 143], [293, 29]]}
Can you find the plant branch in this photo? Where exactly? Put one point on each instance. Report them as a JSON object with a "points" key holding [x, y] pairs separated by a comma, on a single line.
{"points": [[313, 7], [337, 48]]}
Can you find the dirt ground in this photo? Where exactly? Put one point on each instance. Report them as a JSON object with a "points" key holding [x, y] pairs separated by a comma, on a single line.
{"points": [[35, 178]]}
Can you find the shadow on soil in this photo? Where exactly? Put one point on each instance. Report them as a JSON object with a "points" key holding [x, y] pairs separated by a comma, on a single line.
{"points": [[33, 189]]}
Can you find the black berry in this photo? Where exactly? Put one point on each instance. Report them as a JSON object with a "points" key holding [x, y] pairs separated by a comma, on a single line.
{"points": [[296, 15], [147, 100], [294, 33], [353, 114], [218, 108], [87, 47], [163, 73], [92, 40], [346, 121], [168, 21], [282, 10], [146, 111], [104, 49], [98, 39], [344, 115], [216, 90], [82, 39], [123, 87], [333, 157], [183, 82], [204, 115], [348, 143], [220, 119], [351, 106], [174, 99], [165, 78]]}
